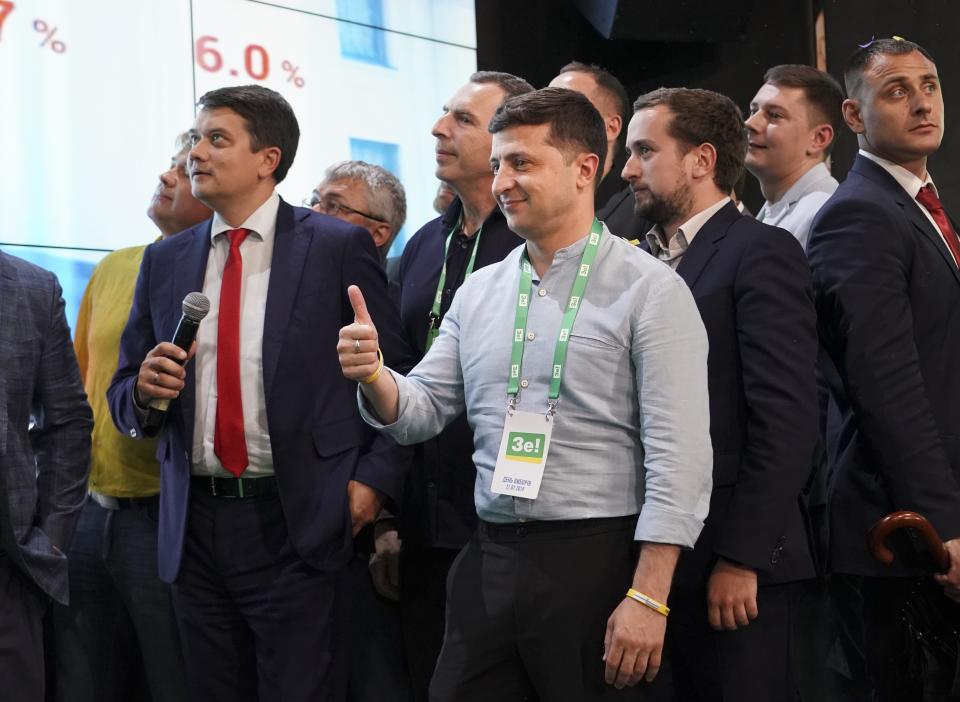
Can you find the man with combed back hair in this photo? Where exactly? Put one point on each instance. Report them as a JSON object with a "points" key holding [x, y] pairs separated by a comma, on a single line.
{"points": [[885, 257], [575, 359], [438, 513]]}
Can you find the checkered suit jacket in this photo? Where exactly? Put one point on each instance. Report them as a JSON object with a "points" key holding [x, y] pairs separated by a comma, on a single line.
{"points": [[45, 426]]}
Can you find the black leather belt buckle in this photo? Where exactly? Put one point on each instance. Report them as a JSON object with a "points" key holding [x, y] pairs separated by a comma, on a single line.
{"points": [[235, 488]]}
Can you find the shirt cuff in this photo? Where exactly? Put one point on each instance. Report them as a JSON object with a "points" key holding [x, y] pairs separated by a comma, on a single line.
{"points": [[662, 526], [399, 429]]}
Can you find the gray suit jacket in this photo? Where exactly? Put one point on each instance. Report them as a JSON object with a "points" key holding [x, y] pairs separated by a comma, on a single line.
{"points": [[45, 426]]}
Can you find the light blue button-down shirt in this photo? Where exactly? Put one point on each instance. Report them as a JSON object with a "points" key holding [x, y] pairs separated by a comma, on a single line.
{"points": [[631, 434], [799, 205]]}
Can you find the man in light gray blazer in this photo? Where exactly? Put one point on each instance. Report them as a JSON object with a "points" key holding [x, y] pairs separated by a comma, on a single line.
{"points": [[45, 426]]}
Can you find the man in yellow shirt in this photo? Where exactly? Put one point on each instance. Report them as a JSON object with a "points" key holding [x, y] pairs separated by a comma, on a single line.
{"points": [[120, 623]]}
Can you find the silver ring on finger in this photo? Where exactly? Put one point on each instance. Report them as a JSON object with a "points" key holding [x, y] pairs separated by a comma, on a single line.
{"points": [[156, 378], [356, 345]]}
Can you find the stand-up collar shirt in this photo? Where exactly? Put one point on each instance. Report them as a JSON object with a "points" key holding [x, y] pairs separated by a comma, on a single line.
{"points": [[631, 433]]}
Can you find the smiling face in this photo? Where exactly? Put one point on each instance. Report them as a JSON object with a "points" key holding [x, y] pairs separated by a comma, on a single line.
{"points": [[463, 142], [897, 112], [534, 183], [783, 133], [224, 168], [658, 169], [173, 207]]}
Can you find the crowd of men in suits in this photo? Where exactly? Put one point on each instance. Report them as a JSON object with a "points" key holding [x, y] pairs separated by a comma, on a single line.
{"points": [[597, 434]]}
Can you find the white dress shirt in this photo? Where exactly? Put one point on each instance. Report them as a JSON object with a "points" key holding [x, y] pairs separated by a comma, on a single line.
{"points": [[257, 254], [911, 184], [799, 205], [677, 246]]}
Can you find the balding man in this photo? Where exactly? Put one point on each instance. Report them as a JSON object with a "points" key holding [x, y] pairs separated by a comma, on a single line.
{"points": [[614, 201]]}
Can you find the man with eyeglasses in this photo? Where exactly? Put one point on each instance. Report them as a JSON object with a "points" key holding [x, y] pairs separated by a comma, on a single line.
{"points": [[371, 197], [367, 195]]}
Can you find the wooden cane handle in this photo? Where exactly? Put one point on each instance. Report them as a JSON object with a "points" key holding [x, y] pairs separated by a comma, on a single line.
{"points": [[907, 520]]}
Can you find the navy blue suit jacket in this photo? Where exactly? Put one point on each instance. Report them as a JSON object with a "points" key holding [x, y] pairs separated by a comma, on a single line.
{"points": [[752, 287], [888, 299], [318, 439]]}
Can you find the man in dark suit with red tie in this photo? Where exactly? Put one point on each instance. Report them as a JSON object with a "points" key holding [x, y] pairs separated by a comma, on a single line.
{"points": [[885, 261], [267, 470]]}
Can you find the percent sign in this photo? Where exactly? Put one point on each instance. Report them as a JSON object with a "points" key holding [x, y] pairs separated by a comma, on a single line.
{"points": [[256, 60], [48, 34], [293, 71]]}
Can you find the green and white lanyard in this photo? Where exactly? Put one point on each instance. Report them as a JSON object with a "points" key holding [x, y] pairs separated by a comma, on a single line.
{"points": [[566, 324], [433, 330]]}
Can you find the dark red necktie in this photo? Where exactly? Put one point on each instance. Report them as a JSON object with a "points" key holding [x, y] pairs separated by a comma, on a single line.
{"points": [[928, 198], [229, 441]]}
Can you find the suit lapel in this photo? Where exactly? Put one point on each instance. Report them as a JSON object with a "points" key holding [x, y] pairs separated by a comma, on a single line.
{"points": [[706, 243], [911, 208], [290, 247], [921, 222], [191, 268]]}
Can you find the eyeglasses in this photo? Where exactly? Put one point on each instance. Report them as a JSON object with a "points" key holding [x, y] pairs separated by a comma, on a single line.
{"points": [[335, 207]]}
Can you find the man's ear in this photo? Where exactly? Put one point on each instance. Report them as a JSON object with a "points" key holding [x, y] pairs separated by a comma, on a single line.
{"points": [[704, 160], [380, 234], [588, 173], [270, 159], [853, 116], [820, 139]]}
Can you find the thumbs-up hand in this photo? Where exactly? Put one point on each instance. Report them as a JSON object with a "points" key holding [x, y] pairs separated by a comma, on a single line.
{"points": [[358, 343]]}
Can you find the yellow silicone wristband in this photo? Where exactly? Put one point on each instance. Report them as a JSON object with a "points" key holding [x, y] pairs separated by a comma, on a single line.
{"points": [[376, 374], [648, 601]]}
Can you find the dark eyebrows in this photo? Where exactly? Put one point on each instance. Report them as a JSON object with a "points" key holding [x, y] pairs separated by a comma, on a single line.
{"points": [[511, 156], [904, 79], [637, 143], [464, 113]]}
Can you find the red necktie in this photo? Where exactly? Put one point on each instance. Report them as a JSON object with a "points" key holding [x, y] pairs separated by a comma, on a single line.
{"points": [[229, 441], [928, 198]]}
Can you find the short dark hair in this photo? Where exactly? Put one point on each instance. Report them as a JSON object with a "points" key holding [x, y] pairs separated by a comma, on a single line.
{"points": [[268, 117], [704, 117], [608, 83], [821, 90], [575, 124], [867, 53], [510, 84]]}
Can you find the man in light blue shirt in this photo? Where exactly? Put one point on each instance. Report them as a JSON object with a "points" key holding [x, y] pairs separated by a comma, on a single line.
{"points": [[629, 457], [793, 121]]}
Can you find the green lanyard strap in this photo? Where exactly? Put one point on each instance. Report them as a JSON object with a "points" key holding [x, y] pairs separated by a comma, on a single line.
{"points": [[433, 330], [566, 324]]}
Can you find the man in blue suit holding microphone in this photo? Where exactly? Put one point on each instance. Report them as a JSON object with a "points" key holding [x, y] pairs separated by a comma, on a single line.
{"points": [[267, 469]]}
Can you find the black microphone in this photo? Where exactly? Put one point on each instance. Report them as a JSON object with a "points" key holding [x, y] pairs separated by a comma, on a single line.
{"points": [[195, 308]]}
